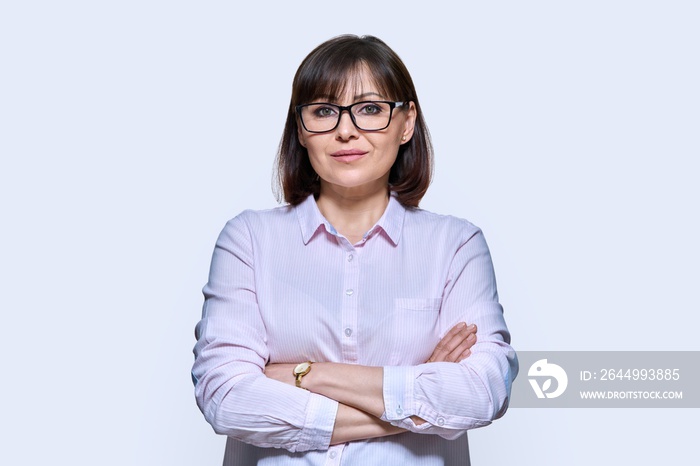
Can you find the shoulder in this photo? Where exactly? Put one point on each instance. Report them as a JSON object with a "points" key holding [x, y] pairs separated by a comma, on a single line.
{"points": [[441, 227], [265, 217], [253, 222]]}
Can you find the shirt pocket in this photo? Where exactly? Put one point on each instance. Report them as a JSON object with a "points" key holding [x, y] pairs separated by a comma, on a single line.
{"points": [[415, 322], [418, 304]]}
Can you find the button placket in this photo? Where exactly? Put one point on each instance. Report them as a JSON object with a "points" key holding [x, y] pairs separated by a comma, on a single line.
{"points": [[350, 303], [334, 455]]}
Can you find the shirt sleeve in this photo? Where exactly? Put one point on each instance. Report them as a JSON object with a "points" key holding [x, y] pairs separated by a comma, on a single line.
{"points": [[455, 397], [230, 355]]}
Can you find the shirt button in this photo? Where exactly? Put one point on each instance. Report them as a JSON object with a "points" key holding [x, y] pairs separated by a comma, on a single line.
{"points": [[349, 292], [399, 411], [440, 421], [333, 454], [349, 257], [348, 332]]}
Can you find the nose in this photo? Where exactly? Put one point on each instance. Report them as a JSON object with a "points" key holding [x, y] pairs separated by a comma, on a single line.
{"points": [[346, 128]]}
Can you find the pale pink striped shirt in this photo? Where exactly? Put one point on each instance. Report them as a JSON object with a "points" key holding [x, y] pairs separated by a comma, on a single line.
{"points": [[285, 287]]}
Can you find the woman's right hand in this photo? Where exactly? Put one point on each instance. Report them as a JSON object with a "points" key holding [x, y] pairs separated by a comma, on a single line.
{"points": [[455, 345]]}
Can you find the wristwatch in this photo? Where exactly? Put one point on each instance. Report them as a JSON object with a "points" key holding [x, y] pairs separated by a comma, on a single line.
{"points": [[300, 371]]}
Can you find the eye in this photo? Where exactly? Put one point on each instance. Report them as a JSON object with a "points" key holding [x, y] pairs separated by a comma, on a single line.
{"points": [[324, 111], [370, 109]]}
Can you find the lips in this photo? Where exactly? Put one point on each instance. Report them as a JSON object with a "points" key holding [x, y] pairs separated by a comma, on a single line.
{"points": [[348, 155]]}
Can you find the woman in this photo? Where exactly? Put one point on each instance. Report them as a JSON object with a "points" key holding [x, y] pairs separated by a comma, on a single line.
{"points": [[319, 316]]}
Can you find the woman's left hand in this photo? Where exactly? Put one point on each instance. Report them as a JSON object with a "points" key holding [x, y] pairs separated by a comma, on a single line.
{"points": [[455, 345]]}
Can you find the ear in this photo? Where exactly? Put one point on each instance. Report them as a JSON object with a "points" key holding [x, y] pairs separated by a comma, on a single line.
{"points": [[300, 135], [410, 123]]}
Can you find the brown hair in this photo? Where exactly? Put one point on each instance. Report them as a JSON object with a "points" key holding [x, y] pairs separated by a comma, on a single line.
{"points": [[324, 73]]}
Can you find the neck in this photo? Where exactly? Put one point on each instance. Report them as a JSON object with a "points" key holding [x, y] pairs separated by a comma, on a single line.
{"points": [[352, 214]]}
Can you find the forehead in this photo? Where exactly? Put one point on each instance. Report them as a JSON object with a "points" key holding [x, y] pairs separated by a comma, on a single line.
{"points": [[354, 85]]}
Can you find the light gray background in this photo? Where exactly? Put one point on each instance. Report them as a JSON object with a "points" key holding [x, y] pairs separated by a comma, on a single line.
{"points": [[131, 131]]}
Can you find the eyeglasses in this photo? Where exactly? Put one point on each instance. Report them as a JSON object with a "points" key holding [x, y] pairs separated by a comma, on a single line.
{"points": [[366, 116]]}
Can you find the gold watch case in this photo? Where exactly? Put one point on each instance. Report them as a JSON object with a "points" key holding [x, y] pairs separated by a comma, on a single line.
{"points": [[300, 371]]}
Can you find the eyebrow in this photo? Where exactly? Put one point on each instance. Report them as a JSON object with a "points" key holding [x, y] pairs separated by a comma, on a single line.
{"points": [[356, 98], [367, 94]]}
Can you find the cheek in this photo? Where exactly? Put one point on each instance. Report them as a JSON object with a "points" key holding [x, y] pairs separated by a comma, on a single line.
{"points": [[316, 160], [313, 143], [313, 152], [389, 148]]}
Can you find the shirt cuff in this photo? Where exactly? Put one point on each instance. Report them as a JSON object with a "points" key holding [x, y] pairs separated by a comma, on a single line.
{"points": [[398, 393], [319, 423]]}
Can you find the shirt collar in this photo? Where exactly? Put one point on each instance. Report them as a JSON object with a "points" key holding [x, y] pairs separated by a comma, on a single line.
{"points": [[311, 219], [392, 220]]}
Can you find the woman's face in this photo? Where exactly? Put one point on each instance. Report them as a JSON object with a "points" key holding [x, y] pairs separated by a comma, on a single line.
{"points": [[355, 162]]}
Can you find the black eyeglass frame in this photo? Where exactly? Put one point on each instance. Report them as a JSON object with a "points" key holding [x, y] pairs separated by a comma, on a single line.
{"points": [[341, 109]]}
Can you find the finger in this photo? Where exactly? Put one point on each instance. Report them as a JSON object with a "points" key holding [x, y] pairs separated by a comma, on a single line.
{"points": [[455, 330], [462, 356], [457, 354], [449, 342], [457, 337], [459, 347], [460, 329]]}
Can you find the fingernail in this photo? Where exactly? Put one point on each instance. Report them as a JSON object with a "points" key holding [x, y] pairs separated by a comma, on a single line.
{"points": [[471, 327], [461, 325]]}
